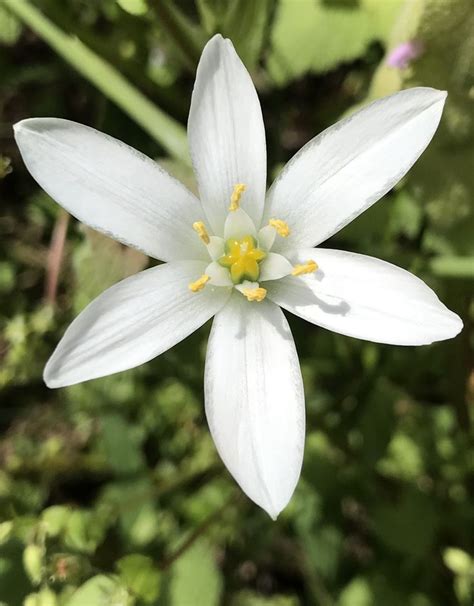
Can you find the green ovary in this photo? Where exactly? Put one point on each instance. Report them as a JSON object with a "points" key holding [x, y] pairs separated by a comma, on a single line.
{"points": [[242, 259]]}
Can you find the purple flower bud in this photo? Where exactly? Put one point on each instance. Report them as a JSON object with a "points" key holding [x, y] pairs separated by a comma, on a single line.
{"points": [[401, 56]]}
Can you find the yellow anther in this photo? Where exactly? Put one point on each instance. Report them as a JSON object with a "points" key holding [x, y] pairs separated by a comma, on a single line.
{"points": [[254, 294], [281, 227], [201, 231], [307, 268], [236, 195], [200, 283]]}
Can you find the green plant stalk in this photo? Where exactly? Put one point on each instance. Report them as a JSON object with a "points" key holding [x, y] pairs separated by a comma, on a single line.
{"points": [[188, 39], [169, 133], [453, 267]]}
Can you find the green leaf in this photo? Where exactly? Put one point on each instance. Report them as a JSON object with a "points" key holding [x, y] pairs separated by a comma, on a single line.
{"points": [[250, 598], [101, 590], [121, 445], [5, 163], [55, 519], [356, 593], [134, 7], [195, 578], [444, 179], [212, 13], [457, 560], [33, 562], [84, 531], [464, 589], [6, 529], [403, 460], [322, 546], [10, 28], [164, 129], [135, 505], [398, 525], [140, 576], [453, 267], [406, 215], [44, 597], [246, 23], [317, 35]]}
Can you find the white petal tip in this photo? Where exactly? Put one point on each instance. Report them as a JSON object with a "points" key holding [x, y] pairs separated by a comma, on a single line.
{"points": [[440, 96], [274, 510], [50, 381], [272, 504], [273, 516], [51, 378], [19, 128], [270, 509], [456, 324], [25, 124], [217, 39], [449, 326], [33, 126]]}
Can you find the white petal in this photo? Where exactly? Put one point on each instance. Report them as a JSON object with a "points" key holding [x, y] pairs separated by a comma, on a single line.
{"points": [[215, 248], [255, 400], [112, 187], [238, 225], [132, 322], [219, 275], [266, 237], [226, 134], [348, 167], [274, 266], [366, 298]]}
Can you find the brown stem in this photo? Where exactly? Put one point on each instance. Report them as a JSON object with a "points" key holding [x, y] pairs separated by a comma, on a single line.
{"points": [[55, 256], [200, 530]]}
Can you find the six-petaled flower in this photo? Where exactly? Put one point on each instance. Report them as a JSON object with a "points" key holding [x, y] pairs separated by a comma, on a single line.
{"points": [[240, 255]]}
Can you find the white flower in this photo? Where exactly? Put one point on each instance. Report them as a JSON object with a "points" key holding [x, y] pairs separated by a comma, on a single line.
{"points": [[240, 256]]}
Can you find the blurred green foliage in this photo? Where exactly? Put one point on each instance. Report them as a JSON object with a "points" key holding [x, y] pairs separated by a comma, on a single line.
{"points": [[111, 492]]}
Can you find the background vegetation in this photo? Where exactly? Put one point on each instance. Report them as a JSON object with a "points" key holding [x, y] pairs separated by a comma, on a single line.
{"points": [[111, 492]]}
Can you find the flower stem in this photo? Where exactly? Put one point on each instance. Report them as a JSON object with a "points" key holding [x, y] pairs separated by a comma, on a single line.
{"points": [[55, 256], [200, 530]]}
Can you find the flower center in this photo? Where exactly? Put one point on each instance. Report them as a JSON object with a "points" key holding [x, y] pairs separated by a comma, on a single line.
{"points": [[242, 258]]}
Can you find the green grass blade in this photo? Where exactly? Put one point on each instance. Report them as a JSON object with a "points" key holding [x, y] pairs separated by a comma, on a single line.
{"points": [[453, 267]]}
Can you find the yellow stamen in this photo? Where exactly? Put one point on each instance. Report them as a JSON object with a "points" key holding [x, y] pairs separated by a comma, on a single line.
{"points": [[254, 294], [281, 227], [307, 268], [236, 195], [200, 283], [201, 231]]}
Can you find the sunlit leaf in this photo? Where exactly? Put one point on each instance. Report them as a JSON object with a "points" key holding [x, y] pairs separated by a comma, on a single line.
{"points": [[356, 593], [134, 7], [458, 560], [101, 590], [195, 578], [140, 576], [316, 36]]}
